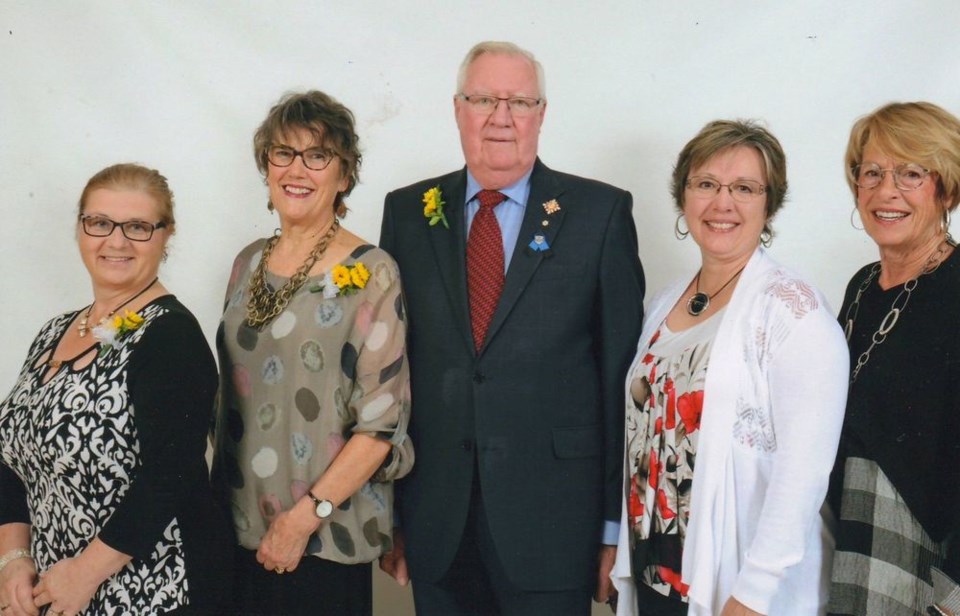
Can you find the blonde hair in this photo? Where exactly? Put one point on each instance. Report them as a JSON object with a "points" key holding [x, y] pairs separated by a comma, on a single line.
{"points": [[918, 132], [131, 176]]}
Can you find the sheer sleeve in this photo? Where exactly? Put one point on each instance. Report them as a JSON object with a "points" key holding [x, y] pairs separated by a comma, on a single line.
{"points": [[376, 359]]}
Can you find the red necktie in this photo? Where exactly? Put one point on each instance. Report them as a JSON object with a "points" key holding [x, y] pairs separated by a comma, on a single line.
{"points": [[484, 264]]}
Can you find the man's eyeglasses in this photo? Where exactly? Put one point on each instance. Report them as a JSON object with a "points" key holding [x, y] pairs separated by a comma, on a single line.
{"points": [[519, 106], [908, 176], [136, 230], [742, 191], [316, 159]]}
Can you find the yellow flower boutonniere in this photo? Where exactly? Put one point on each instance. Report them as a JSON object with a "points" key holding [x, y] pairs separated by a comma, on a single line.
{"points": [[343, 280], [111, 331], [433, 207]]}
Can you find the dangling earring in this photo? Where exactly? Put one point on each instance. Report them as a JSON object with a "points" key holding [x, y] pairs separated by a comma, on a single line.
{"points": [[269, 206], [852, 219], [945, 221], [766, 237], [681, 235]]}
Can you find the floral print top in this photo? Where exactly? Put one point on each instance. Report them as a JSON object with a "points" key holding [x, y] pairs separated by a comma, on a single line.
{"points": [[329, 365], [663, 426]]}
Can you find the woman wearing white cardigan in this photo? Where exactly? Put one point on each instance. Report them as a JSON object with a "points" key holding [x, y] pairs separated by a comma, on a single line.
{"points": [[734, 407]]}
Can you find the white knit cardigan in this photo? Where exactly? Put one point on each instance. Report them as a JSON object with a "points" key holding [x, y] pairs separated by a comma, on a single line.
{"points": [[773, 407]]}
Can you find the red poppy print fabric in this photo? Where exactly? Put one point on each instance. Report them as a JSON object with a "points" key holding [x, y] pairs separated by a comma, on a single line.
{"points": [[664, 407]]}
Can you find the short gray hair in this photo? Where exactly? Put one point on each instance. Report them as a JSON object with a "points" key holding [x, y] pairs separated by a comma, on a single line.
{"points": [[503, 48]]}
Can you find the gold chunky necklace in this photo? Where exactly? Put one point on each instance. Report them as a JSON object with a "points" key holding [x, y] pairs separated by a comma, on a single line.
{"points": [[264, 305]]}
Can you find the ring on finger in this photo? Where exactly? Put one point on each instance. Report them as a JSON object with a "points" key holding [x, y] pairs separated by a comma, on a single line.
{"points": [[280, 570]]}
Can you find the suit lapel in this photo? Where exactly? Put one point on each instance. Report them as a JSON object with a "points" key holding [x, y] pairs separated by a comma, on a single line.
{"points": [[544, 186], [449, 246]]}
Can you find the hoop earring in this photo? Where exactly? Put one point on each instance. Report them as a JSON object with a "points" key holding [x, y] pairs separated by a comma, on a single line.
{"points": [[680, 235], [852, 223], [766, 238]]}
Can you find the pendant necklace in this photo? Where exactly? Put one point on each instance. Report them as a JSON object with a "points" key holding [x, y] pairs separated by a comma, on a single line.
{"points": [[700, 301], [83, 328]]}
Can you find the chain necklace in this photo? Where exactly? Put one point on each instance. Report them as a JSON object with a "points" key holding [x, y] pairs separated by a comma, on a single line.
{"points": [[899, 304], [83, 328], [699, 301], [265, 304]]}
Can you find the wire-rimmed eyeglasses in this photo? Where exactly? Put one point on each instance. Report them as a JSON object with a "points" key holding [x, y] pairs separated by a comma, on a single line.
{"points": [[316, 159], [908, 176], [136, 230], [486, 104], [742, 191]]}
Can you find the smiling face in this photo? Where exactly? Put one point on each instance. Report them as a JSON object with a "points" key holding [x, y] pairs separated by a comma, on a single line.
{"points": [[727, 231], [301, 196], [901, 221], [117, 264], [498, 147]]}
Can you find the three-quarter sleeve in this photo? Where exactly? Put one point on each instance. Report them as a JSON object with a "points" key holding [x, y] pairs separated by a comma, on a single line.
{"points": [[376, 360], [172, 381]]}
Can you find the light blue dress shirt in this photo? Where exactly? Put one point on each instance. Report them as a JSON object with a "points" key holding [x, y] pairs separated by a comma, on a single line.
{"points": [[509, 214]]}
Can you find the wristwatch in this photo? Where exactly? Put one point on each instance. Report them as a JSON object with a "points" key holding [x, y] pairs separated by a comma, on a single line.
{"points": [[322, 507]]}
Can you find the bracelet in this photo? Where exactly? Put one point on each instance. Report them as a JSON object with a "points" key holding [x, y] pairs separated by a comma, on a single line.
{"points": [[12, 555]]}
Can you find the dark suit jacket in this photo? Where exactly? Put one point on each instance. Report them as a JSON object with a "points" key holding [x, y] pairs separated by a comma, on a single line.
{"points": [[541, 406]]}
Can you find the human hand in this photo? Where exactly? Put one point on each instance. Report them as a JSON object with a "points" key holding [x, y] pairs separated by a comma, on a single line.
{"points": [[284, 543], [394, 562], [66, 587], [735, 608], [16, 588], [605, 592]]}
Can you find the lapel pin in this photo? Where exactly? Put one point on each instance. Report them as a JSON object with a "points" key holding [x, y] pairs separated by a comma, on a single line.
{"points": [[551, 207], [539, 244]]}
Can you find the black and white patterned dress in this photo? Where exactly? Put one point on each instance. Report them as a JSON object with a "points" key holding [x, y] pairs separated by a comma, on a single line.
{"points": [[114, 449]]}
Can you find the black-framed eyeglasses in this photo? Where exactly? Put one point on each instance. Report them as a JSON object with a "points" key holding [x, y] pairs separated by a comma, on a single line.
{"points": [[316, 159], [742, 191], [908, 176], [486, 104], [136, 230]]}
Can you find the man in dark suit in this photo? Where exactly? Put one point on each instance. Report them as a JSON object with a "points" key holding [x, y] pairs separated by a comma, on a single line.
{"points": [[524, 296]]}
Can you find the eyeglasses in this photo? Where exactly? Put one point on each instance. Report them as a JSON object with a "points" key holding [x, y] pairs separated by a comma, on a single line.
{"points": [[909, 176], [742, 191], [136, 230], [485, 104], [316, 159]]}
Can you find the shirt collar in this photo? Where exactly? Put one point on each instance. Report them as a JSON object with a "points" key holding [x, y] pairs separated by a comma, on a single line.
{"points": [[516, 192]]}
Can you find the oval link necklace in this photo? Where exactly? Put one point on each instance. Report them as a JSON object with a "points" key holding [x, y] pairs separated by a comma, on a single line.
{"points": [[700, 301], [899, 304]]}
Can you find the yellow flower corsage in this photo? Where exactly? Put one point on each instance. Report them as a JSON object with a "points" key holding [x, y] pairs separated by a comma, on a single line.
{"points": [[433, 207], [343, 280], [109, 332]]}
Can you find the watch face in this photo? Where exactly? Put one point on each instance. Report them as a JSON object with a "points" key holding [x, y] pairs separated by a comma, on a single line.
{"points": [[324, 509]]}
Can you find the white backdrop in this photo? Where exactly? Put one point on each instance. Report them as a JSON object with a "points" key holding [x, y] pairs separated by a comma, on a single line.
{"points": [[181, 85]]}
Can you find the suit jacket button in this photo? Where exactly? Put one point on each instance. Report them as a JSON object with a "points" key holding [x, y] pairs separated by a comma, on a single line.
{"points": [[466, 444], [478, 377]]}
